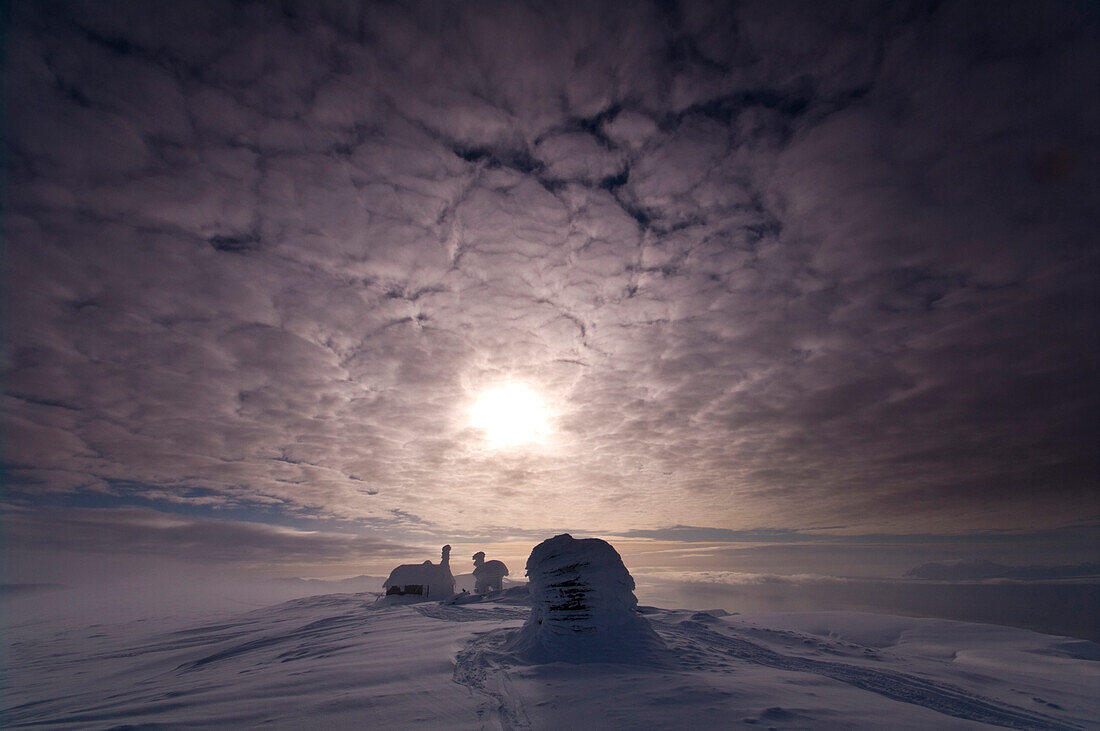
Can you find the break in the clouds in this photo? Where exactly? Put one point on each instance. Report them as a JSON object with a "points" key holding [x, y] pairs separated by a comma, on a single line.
{"points": [[769, 265]]}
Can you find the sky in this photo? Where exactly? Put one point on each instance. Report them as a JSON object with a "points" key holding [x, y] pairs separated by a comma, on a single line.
{"points": [[805, 287]]}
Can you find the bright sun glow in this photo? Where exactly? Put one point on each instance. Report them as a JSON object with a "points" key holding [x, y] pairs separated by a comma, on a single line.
{"points": [[511, 415]]}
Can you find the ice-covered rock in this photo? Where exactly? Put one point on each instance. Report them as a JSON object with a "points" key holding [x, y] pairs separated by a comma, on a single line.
{"points": [[583, 607], [489, 575]]}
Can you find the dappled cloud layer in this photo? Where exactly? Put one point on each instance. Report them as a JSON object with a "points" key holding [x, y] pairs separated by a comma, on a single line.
{"points": [[765, 267]]}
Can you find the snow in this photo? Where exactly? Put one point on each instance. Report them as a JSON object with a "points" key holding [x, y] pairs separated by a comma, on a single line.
{"points": [[344, 661], [572, 648]]}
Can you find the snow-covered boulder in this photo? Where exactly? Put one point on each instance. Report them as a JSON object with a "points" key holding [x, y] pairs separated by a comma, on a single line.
{"points": [[583, 607], [489, 575]]}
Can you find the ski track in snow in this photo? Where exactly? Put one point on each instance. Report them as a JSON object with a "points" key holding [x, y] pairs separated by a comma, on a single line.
{"points": [[937, 696], [482, 667], [476, 668], [458, 614]]}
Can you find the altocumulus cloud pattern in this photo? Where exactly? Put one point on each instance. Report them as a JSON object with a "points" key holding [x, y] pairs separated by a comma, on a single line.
{"points": [[756, 258]]}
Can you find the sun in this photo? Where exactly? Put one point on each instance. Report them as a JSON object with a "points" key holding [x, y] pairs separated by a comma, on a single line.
{"points": [[510, 415]]}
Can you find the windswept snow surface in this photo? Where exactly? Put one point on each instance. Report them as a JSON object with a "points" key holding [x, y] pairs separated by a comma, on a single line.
{"points": [[341, 661]]}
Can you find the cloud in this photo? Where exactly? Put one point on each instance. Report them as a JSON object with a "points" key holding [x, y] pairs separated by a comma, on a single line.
{"points": [[777, 268], [736, 578], [704, 535], [146, 532], [985, 570], [1084, 532]]}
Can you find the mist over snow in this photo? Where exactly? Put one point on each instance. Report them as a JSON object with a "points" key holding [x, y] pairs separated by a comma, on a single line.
{"points": [[570, 649], [964, 570]]}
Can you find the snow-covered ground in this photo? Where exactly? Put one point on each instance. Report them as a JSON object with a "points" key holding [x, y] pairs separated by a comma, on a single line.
{"points": [[341, 661]]}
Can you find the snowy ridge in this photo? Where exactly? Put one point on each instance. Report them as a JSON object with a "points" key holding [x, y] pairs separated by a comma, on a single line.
{"points": [[340, 661]]}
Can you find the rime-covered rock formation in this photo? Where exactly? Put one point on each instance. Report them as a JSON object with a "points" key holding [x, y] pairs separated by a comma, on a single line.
{"points": [[583, 607], [489, 575]]}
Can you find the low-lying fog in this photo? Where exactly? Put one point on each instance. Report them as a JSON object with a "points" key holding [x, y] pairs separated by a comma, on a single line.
{"points": [[1065, 607]]}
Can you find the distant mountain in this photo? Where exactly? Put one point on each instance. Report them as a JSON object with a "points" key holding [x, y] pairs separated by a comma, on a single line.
{"points": [[19, 589], [467, 582], [974, 570], [354, 585]]}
